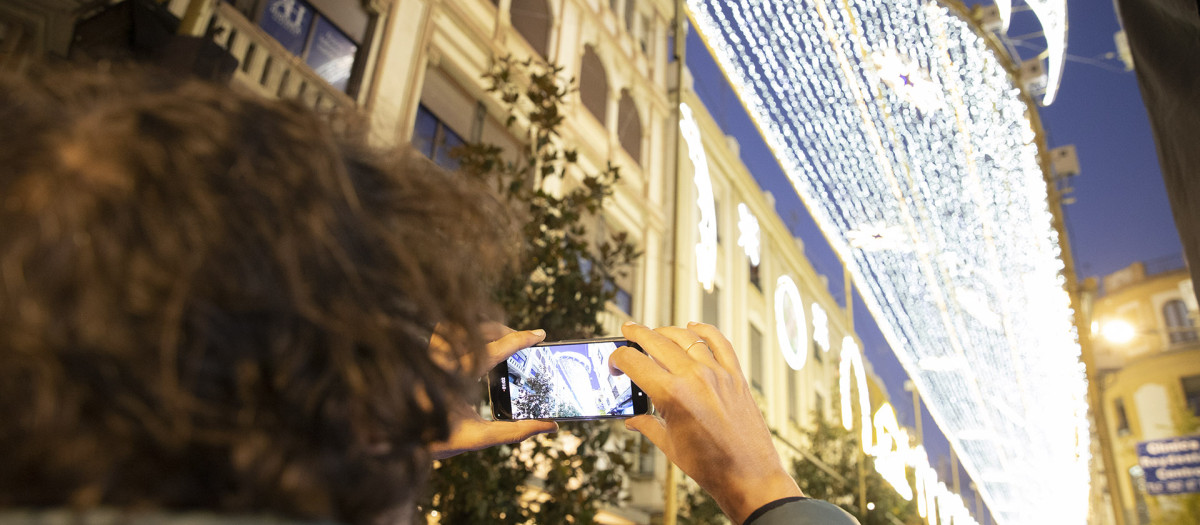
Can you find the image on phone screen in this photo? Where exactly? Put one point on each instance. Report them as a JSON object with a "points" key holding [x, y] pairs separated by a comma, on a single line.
{"points": [[568, 380]]}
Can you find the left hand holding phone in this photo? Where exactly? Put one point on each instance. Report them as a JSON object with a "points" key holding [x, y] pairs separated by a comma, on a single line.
{"points": [[469, 431]]}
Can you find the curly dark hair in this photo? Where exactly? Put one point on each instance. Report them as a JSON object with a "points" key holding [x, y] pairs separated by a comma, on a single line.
{"points": [[212, 301]]}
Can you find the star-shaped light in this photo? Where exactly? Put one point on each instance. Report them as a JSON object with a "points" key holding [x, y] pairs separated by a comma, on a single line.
{"points": [[748, 233]]}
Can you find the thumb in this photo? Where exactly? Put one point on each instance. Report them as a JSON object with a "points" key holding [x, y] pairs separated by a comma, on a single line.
{"points": [[514, 431], [651, 427]]}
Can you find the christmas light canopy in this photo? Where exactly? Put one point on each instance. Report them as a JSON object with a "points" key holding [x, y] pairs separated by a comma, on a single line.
{"points": [[905, 135]]}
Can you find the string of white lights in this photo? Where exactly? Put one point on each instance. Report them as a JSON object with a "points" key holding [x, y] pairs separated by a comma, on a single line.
{"points": [[909, 142]]}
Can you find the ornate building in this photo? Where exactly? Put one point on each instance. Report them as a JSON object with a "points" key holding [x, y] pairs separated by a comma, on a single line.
{"points": [[1148, 358]]}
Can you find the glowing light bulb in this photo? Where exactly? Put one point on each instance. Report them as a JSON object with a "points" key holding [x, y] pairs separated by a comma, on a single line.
{"points": [[1118, 332]]}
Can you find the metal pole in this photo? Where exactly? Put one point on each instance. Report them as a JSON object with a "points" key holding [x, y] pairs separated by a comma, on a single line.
{"points": [[862, 484], [1099, 414], [671, 488], [954, 471]]}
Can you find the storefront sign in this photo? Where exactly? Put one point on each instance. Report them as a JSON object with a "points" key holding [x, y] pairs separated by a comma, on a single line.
{"points": [[287, 21], [1171, 466]]}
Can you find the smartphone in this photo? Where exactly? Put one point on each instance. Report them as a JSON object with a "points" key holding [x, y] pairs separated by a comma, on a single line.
{"points": [[565, 380]]}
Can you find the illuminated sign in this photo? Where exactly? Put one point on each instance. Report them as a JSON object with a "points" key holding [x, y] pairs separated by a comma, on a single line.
{"points": [[790, 324], [820, 323], [748, 233], [883, 439], [706, 249]]}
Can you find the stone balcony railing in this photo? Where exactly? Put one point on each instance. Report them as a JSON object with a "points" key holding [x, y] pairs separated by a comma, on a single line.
{"points": [[266, 67]]}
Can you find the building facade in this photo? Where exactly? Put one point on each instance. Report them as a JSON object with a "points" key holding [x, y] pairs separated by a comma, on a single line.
{"points": [[1147, 352]]}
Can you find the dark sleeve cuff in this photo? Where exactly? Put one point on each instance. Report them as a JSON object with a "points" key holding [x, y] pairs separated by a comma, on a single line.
{"points": [[771, 506]]}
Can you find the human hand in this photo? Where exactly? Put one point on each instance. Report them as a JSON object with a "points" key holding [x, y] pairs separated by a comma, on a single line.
{"points": [[708, 423], [468, 430]]}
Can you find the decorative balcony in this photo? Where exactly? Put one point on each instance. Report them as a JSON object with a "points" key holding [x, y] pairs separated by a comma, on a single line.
{"points": [[269, 69]]}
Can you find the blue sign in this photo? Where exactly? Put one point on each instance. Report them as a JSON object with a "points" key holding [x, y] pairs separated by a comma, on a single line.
{"points": [[1171, 466], [331, 54], [288, 21]]}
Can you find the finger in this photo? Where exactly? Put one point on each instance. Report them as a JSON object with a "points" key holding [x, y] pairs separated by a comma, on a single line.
{"points": [[492, 330], [691, 343], [662, 349], [643, 371], [612, 367], [508, 345], [475, 434], [652, 427], [498, 432], [721, 348]]}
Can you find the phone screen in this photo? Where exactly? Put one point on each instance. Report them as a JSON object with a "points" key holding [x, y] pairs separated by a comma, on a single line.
{"points": [[565, 380]]}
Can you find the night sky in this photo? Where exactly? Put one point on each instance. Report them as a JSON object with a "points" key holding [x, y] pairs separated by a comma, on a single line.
{"points": [[1120, 214]]}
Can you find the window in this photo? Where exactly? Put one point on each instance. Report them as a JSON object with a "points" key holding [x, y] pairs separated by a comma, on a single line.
{"points": [[593, 85], [1180, 327], [756, 358], [629, 127], [756, 276], [819, 401], [1191, 393], [817, 351], [434, 139], [622, 298], [712, 307], [327, 37], [630, 13], [531, 18], [1122, 420]]}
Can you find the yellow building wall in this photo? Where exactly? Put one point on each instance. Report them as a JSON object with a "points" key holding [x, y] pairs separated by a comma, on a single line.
{"points": [[1144, 375]]}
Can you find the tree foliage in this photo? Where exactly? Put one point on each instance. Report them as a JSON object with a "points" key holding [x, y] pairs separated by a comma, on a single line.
{"points": [[540, 397], [561, 284], [568, 262], [840, 451]]}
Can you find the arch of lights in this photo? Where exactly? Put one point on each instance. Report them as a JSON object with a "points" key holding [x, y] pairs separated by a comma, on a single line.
{"points": [[929, 186], [1053, 16]]}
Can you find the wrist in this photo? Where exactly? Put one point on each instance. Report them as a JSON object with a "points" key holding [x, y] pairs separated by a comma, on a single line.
{"points": [[750, 495]]}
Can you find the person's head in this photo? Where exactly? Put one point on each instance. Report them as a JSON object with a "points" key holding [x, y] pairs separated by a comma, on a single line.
{"points": [[211, 301]]}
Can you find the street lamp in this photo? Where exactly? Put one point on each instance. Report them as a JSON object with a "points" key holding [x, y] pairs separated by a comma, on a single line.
{"points": [[1118, 331]]}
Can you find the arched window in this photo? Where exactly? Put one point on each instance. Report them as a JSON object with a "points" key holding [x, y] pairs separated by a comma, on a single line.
{"points": [[593, 85], [1179, 325], [629, 127], [531, 18]]}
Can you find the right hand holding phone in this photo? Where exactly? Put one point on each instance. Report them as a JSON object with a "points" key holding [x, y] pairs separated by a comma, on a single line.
{"points": [[708, 423]]}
